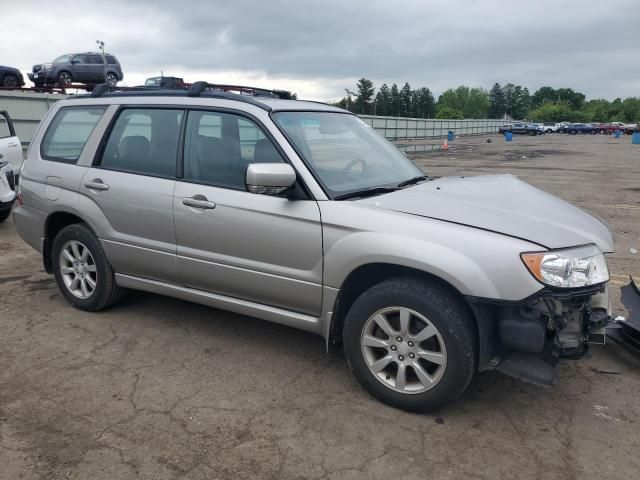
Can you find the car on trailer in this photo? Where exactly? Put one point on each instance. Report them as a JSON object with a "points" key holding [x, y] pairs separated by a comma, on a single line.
{"points": [[89, 68], [10, 77], [299, 213]]}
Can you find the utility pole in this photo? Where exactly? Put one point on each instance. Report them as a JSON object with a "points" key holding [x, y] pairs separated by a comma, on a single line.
{"points": [[104, 59]]}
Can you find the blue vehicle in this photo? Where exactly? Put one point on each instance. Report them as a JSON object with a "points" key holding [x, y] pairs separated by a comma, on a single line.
{"points": [[576, 128]]}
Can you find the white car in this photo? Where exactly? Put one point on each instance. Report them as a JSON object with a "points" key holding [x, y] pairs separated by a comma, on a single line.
{"points": [[10, 146], [551, 127], [10, 160]]}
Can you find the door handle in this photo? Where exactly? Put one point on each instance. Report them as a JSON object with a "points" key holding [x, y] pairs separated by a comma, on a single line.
{"points": [[198, 201], [96, 184]]}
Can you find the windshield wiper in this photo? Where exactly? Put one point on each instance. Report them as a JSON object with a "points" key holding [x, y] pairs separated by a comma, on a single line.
{"points": [[369, 192], [412, 181]]}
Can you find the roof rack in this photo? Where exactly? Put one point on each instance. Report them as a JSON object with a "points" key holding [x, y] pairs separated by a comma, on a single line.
{"points": [[196, 89]]}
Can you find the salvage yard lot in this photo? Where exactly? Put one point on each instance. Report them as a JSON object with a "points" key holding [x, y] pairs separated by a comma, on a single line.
{"points": [[163, 389]]}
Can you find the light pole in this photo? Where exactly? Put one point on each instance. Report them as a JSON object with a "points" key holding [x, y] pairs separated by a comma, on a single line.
{"points": [[104, 60]]}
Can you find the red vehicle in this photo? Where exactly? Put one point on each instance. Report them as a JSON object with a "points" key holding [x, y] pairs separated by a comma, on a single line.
{"points": [[609, 128]]}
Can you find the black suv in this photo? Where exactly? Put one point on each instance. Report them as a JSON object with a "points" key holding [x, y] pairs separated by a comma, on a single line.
{"points": [[86, 68], [10, 77]]}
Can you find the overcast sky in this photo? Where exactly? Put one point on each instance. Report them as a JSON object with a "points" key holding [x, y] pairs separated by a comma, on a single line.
{"points": [[318, 49]]}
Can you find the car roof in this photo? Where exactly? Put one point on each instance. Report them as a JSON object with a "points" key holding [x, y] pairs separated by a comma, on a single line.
{"points": [[263, 102]]}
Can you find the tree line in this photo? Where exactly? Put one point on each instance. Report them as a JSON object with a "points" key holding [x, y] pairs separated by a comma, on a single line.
{"points": [[547, 104]]}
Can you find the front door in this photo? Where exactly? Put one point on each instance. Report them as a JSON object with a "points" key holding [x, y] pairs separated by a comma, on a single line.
{"points": [[132, 185], [265, 249]]}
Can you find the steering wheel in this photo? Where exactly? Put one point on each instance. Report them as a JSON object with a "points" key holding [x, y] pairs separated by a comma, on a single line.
{"points": [[352, 164]]}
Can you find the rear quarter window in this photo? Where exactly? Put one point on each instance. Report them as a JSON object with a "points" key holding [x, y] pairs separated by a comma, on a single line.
{"points": [[68, 133]]}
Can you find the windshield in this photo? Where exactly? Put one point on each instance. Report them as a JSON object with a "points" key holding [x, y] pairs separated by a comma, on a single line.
{"points": [[344, 153], [63, 59]]}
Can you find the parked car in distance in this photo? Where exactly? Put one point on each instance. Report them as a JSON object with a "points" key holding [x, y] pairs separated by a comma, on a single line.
{"points": [[540, 127], [551, 127], [327, 228], [88, 68], [165, 82], [520, 129], [630, 128], [577, 128], [10, 77]]}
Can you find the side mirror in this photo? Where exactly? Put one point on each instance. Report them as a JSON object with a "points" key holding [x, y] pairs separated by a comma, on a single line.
{"points": [[269, 178]]}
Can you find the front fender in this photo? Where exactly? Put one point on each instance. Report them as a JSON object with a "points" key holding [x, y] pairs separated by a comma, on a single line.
{"points": [[476, 262]]}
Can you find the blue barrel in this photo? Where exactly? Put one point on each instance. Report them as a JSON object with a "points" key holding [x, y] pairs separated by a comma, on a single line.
{"points": [[635, 138], [508, 136], [617, 133], [450, 136]]}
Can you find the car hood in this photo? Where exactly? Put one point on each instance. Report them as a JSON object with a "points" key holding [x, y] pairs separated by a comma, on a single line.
{"points": [[503, 204]]}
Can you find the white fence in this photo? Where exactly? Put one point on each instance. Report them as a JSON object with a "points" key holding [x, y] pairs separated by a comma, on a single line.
{"points": [[400, 128]]}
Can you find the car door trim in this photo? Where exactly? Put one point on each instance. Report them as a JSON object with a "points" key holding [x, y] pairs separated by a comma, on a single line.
{"points": [[297, 320]]}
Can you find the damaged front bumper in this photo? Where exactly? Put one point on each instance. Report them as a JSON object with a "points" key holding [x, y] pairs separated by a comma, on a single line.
{"points": [[526, 339]]}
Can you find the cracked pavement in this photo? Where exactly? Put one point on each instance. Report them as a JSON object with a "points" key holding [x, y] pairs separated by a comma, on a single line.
{"points": [[158, 388]]}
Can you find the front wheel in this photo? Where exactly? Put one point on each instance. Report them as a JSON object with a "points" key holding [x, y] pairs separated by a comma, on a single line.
{"points": [[81, 268], [64, 79], [411, 344]]}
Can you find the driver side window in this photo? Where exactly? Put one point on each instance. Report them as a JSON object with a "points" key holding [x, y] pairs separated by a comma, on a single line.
{"points": [[220, 146]]}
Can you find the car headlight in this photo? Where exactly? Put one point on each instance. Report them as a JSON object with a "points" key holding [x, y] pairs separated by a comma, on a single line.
{"points": [[568, 268]]}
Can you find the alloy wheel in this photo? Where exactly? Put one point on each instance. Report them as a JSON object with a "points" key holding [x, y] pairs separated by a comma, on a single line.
{"points": [[78, 269], [403, 350]]}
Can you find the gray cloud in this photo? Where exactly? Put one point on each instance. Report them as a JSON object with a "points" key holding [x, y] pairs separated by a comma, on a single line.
{"points": [[319, 48]]}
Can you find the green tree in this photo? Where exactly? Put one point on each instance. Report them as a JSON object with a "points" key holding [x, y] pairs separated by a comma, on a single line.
{"points": [[424, 103], [552, 112], [383, 101], [496, 102], [396, 101], [406, 100], [472, 102], [573, 98], [544, 95], [447, 112], [516, 100], [364, 96]]}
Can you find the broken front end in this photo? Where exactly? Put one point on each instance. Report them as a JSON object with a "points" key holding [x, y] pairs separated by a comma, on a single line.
{"points": [[526, 339]]}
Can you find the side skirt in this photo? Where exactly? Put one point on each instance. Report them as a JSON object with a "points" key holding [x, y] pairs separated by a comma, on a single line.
{"points": [[265, 312]]}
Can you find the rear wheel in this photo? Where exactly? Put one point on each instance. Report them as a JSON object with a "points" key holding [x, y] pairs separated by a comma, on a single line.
{"points": [[411, 344], [111, 79], [10, 81], [83, 272]]}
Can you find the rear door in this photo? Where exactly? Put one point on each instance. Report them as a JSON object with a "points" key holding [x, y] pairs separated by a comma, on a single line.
{"points": [[132, 182], [261, 248], [95, 69]]}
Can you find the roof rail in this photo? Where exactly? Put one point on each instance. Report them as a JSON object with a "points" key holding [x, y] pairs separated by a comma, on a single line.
{"points": [[104, 90], [197, 88]]}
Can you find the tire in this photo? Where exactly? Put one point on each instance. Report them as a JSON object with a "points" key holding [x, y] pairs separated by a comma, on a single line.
{"points": [[64, 78], [430, 308], [112, 79], [532, 133], [96, 267], [4, 214], [10, 81]]}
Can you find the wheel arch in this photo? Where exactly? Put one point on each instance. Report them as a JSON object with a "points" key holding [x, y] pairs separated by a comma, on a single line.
{"points": [[55, 222], [368, 275]]}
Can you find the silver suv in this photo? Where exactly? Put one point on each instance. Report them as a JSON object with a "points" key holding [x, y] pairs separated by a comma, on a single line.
{"points": [[299, 213]]}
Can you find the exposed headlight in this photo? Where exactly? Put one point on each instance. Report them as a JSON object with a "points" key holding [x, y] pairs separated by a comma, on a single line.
{"points": [[568, 268]]}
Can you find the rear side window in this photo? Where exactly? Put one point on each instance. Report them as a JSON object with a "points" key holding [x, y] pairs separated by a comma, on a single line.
{"points": [[68, 133], [144, 141], [111, 60]]}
